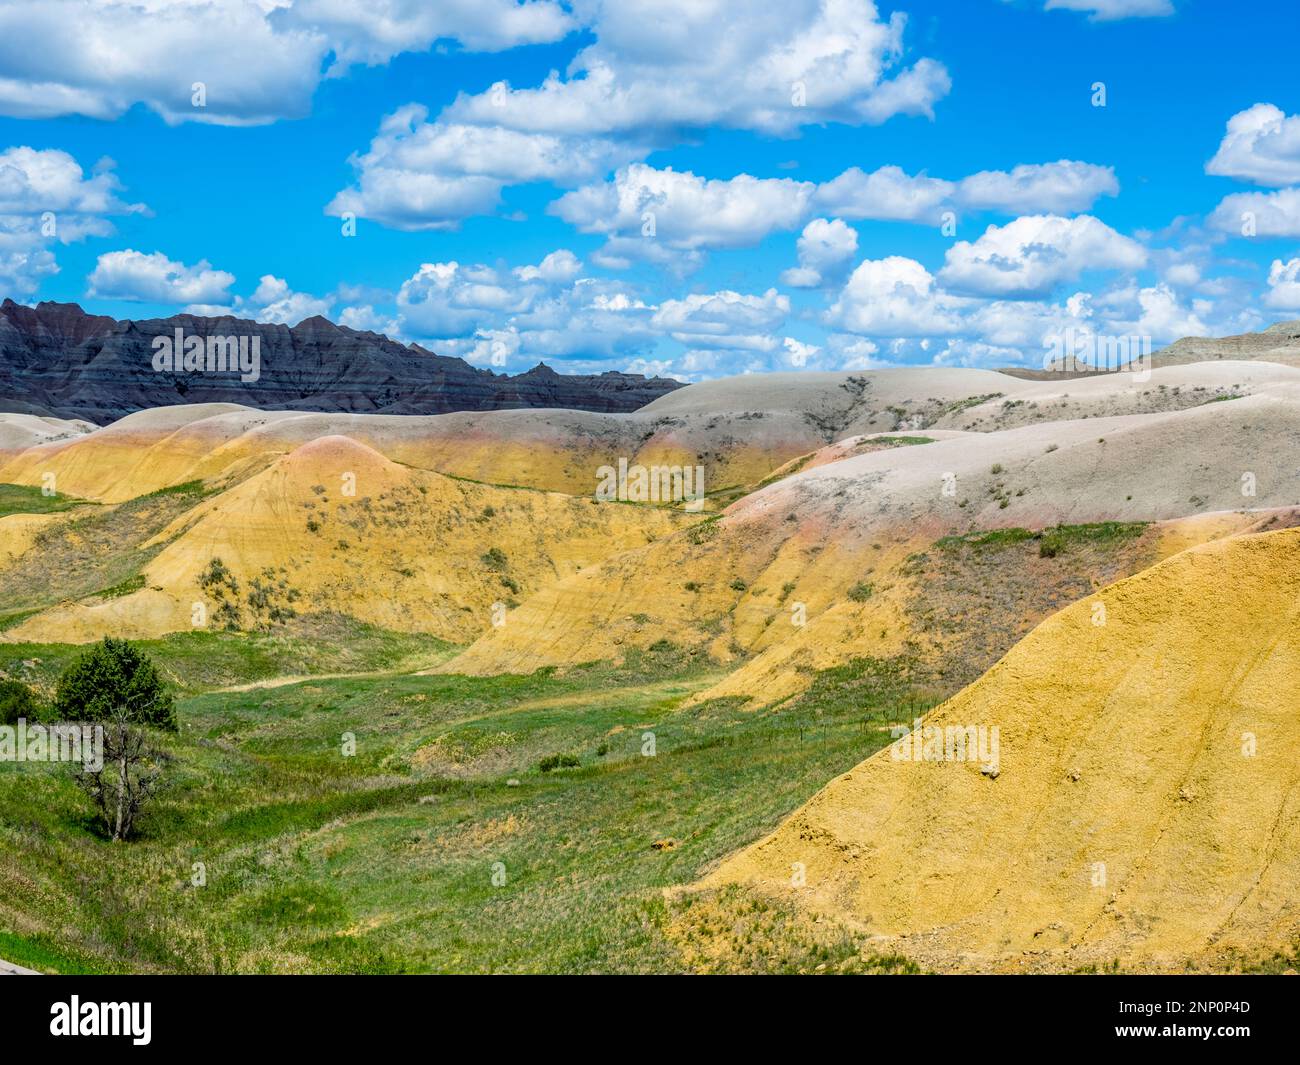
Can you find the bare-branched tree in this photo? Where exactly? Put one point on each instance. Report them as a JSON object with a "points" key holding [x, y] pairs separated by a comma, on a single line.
{"points": [[128, 777]]}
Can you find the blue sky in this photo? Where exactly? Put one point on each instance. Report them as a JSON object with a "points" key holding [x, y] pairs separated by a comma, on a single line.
{"points": [[832, 184]]}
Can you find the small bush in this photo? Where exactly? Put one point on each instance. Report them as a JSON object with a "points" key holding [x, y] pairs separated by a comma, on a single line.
{"points": [[704, 531], [17, 700], [557, 761], [861, 592]]}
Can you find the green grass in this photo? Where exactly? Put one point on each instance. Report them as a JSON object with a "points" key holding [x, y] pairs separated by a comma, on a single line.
{"points": [[899, 441], [703, 531], [989, 538], [794, 466], [1103, 533], [869, 690], [970, 401], [125, 587], [731, 930], [25, 499], [192, 490], [439, 845], [16, 617], [95, 548], [37, 953], [199, 661]]}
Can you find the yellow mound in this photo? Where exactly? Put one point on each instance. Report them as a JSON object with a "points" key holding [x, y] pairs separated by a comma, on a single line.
{"points": [[335, 526], [557, 451], [138, 454], [1145, 807]]}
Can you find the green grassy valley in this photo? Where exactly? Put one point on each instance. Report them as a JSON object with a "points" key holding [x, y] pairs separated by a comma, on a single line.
{"points": [[439, 844]]}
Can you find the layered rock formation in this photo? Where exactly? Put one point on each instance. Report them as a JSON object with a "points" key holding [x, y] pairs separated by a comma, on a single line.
{"points": [[1278, 343], [57, 360]]}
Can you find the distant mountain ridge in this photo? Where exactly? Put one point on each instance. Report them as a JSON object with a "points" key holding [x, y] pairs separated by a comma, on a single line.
{"points": [[55, 359]]}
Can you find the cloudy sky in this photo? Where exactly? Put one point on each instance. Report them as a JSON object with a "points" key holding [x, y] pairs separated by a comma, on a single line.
{"points": [[679, 186]]}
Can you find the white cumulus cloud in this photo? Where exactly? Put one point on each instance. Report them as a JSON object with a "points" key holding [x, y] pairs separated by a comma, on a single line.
{"points": [[257, 61], [660, 66], [1262, 145], [133, 275], [1284, 285], [275, 302], [891, 194], [1261, 214], [888, 194], [825, 249], [1062, 187], [561, 265], [1029, 256], [724, 319], [684, 211], [894, 297], [419, 174], [655, 72], [46, 198]]}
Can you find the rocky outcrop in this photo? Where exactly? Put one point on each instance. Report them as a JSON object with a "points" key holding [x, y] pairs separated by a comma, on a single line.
{"points": [[55, 359], [1277, 343]]}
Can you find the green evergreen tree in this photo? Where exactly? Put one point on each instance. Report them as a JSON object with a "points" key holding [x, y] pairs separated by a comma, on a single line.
{"points": [[111, 675]]}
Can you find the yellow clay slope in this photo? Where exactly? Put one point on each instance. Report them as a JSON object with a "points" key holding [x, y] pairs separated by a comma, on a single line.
{"points": [[408, 549], [1129, 819]]}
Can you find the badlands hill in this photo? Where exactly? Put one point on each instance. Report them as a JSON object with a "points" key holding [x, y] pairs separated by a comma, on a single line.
{"points": [[331, 527], [1140, 810], [740, 429], [57, 360], [836, 488], [933, 551]]}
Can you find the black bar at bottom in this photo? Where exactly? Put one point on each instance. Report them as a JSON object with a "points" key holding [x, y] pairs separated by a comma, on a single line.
{"points": [[336, 1014]]}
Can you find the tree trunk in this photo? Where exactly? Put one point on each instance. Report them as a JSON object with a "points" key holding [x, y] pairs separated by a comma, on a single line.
{"points": [[121, 793]]}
